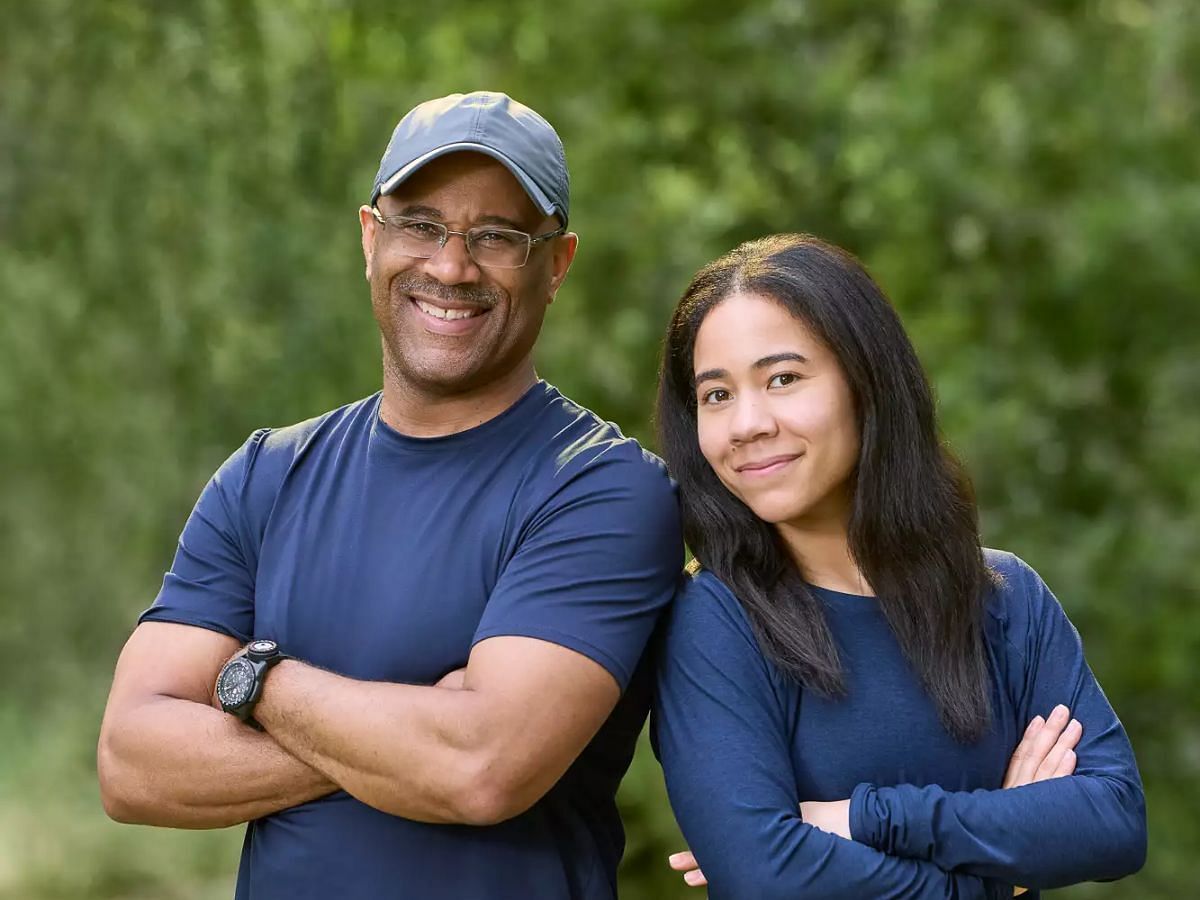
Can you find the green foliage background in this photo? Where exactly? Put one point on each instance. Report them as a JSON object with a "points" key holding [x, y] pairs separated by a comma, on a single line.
{"points": [[179, 264]]}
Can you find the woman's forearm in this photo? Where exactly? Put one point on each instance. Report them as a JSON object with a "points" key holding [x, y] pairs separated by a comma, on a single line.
{"points": [[1050, 834]]}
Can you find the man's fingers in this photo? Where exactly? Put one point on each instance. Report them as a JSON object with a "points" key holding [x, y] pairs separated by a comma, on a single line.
{"points": [[1014, 763], [1066, 741], [682, 862]]}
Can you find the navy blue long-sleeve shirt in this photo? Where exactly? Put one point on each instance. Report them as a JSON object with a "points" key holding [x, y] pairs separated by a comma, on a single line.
{"points": [[742, 745]]}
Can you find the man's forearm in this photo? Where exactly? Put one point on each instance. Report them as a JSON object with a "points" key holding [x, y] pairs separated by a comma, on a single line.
{"points": [[183, 764], [408, 750]]}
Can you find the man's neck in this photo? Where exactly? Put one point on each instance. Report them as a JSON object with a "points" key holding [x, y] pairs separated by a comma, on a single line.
{"points": [[821, 550], [420, 413]]}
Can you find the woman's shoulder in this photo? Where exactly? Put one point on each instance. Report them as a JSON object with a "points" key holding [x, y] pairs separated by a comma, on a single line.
{"points": [[1019, 599], [703, 600]]}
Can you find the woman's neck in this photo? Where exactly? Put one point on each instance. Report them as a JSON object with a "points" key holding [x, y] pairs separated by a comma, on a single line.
{"points": [[822, 553]]}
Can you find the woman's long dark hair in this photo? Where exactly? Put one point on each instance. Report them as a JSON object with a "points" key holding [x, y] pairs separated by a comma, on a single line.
{"points": [[913, 527]]}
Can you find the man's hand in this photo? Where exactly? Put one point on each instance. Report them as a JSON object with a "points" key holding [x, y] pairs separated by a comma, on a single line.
{"points": [[1047, 750]]}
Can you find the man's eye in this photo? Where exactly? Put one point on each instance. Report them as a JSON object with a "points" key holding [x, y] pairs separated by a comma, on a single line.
{"points": [[496, 238], [422, 231]]}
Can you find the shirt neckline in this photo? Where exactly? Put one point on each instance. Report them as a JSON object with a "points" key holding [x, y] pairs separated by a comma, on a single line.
{"points": [[389, 437]]}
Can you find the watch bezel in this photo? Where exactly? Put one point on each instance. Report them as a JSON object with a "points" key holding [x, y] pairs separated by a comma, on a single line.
{"points": [[232, 703]]}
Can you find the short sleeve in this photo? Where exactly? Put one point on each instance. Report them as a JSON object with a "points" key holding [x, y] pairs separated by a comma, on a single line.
{"points": [[211, 580], [596, 563]]}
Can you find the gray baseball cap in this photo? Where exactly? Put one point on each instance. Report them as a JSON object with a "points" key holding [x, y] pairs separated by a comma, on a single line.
{"points": [[485, 122]]}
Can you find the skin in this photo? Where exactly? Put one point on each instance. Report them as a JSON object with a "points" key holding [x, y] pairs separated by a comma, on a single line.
{"points": [[438, 377], [776, 421], [485, 743]]}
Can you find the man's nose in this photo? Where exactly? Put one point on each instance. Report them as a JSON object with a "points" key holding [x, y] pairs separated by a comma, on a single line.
{"points": [[452, 264]]}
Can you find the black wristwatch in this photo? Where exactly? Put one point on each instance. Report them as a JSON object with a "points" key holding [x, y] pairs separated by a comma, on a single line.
{"points": [[241, 680]]}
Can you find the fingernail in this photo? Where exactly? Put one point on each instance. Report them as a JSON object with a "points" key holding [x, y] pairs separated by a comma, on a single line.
{"points": [[692, 877], [674, 858], [1060, 712]]}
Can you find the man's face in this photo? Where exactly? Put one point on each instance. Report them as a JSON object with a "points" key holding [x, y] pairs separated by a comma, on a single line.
{"points": [[449, 325]]}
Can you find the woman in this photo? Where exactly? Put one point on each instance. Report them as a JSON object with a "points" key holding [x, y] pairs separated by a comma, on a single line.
{"points": [[847, 644]]}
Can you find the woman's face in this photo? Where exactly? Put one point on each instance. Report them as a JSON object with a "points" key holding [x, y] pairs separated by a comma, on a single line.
{"points": [[775, 414]]}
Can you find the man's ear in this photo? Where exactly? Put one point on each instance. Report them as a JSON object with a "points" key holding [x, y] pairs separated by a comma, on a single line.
{"points": [[560, 263], [368, 224]]}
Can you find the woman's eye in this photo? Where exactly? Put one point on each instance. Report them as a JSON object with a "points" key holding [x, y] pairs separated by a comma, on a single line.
{"points": [[783, 379], [717, 395]]}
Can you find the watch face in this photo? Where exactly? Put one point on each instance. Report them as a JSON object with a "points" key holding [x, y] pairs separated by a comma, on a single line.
{"points": [[236, 683], [261, 647]]}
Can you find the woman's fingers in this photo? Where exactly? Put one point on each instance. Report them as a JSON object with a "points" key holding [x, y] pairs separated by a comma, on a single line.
{"points": [[1067, 766], [685, 862], [1014, 763], [1066, 743], [1032, 751], [682, 862]]}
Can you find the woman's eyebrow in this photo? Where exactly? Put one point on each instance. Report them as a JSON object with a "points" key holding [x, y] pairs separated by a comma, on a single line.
{"points": [[778, 358], [711, 375], [764, 362]]}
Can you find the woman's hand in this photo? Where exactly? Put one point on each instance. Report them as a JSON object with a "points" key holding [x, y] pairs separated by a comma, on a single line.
{"points": [[1047, 750], [686, 863]]}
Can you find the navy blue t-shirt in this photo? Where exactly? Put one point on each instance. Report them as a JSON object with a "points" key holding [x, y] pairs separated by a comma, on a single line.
{"points": [[386, 557], [742, 745]]}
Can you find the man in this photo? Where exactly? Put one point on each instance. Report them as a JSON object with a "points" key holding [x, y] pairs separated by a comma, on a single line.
{"points": [[469, 515]]}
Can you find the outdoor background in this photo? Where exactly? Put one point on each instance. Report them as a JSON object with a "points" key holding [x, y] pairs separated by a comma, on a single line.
{"points": [[180, 264]]}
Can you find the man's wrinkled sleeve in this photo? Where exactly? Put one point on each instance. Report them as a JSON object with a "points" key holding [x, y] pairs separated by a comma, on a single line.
{"points": [[211, 580], [596, 563]]}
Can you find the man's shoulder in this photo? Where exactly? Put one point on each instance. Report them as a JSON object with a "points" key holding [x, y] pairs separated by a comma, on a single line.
{"points": [[265, 458], [580, 441], [293, 439]]}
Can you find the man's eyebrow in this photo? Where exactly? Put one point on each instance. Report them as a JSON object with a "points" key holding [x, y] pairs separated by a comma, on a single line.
{"points": [[500, 220], [420, 211]]}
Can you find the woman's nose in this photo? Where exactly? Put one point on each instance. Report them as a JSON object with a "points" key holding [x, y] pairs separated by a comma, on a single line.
{"points": [[751, 420]]}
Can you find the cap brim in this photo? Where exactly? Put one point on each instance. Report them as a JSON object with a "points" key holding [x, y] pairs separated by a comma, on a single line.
{"points": [[536, 194]]}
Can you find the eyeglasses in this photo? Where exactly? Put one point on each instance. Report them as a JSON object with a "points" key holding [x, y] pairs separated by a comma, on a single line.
{"points": [[496, 248]]}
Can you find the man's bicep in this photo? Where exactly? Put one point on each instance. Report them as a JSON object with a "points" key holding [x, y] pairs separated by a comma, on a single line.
{"points": [[166, 659], [548, 701]]}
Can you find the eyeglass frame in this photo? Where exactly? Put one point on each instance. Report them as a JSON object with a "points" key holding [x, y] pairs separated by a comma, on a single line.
{"points": [[530, 239]]}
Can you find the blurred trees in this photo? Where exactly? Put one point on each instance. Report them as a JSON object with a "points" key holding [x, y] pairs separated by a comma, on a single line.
{"points": [[179, 264]]}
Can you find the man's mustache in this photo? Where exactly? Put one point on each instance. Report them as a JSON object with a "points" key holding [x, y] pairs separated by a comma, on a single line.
{"points": [[474, 295]]}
